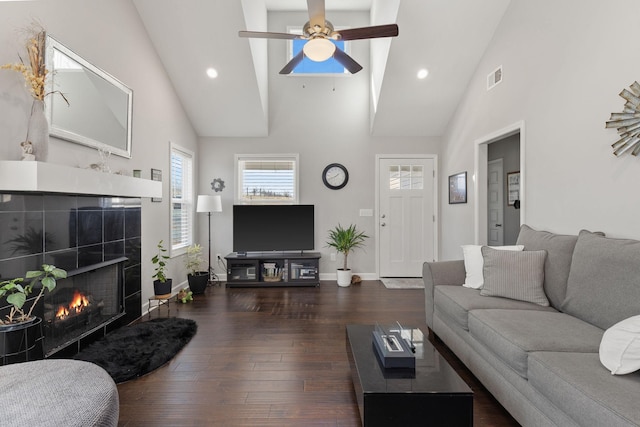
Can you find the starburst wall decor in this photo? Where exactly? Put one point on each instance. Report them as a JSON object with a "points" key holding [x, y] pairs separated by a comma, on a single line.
{"points": [[627, 122]]}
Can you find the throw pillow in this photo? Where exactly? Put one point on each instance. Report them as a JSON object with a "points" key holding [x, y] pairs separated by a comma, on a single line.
{"points": [[514, 275], [473, 263], [620, 347], [604, 281], [559, 249]]}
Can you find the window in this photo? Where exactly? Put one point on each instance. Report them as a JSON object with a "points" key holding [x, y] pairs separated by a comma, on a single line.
{"points": [[181, 199], [405, 177], [266, 178]]}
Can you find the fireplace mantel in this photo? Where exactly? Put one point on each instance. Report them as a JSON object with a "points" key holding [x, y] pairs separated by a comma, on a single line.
{"points": [[52, 178]]}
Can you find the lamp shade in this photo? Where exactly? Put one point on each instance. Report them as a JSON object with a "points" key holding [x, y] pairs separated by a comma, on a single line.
{"points": [[209, 204], [319, 49]]}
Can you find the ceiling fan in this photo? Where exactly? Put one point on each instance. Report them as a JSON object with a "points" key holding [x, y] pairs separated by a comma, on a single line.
{"points": [[319, 32]]}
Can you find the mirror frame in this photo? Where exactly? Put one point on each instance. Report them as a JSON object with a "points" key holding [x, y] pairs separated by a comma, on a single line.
{"points": [[58, 132]]}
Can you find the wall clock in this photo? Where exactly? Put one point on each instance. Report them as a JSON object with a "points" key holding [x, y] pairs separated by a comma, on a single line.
{"points": [[335, 176]]}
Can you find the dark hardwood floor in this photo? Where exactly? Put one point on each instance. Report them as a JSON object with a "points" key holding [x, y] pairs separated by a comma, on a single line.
{"points": [[276, 357]]}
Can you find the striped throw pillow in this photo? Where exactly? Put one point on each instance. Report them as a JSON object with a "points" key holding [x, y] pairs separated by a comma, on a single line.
{"points": [[514, 275]]}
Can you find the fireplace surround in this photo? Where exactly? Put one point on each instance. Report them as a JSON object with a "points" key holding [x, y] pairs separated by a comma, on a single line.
{"points": [[96, 239]]}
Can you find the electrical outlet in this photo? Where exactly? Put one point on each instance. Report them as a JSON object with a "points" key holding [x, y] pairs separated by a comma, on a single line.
{"points": [[333, 256]]}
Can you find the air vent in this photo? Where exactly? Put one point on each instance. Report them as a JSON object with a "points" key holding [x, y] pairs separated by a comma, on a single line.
{"points": [[494, 77]]}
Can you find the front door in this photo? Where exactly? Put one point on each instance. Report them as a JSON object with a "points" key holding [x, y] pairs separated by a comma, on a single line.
{"points": [[406, 215]]}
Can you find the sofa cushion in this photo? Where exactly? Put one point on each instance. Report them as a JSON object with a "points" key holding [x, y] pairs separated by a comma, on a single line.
{"points": [[514, 275], [512, 334], [473, 263], [581, 387], [455, 302], [604, 283], [620, 347], [559, 249]]}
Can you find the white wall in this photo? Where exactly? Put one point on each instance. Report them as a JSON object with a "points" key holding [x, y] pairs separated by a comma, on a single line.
{"points": [[109, 34], [325, 120], [564, 65]]}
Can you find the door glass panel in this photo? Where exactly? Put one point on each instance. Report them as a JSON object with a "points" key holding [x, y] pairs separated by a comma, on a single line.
{"points": [[394, 177], [416, 177], [406, 177]]}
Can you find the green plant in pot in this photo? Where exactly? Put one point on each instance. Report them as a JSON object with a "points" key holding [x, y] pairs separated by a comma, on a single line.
{"points": [[161, 285], [20, 330], [198, 279], [345, 240], [17, 292]]}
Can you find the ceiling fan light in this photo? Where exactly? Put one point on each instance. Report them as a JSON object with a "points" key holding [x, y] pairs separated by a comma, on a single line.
{"points": [[319, 49]]}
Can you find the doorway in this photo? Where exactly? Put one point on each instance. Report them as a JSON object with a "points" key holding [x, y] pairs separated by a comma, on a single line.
{"points": [[406, 232], [500, 145]]}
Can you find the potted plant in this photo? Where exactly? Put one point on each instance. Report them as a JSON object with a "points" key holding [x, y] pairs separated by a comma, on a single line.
{"points": [[198, 279], [20, 330], [345, 240], [161, 285]]}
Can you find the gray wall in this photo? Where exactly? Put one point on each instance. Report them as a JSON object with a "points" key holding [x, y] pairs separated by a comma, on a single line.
{"points": [[564, 65], [325, 120], [109, 34], [508, 150]]}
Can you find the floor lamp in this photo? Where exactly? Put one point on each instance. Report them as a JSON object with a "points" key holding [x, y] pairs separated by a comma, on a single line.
{"points": [[209, 204]]}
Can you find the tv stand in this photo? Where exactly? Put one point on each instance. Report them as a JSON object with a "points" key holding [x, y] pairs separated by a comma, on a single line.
{"points": [[259, 269]]}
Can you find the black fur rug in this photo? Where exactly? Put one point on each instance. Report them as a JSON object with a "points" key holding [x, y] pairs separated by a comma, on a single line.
{"points": [[132, 351]]}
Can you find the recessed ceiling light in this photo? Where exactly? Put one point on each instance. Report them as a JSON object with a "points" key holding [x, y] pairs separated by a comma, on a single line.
{"points": [[423, 73], [212, 73]]}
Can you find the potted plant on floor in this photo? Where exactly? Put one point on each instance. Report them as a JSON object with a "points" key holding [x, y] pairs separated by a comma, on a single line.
{"points": [[198, 279], [161, 285], [20, 330], [345, 240]]}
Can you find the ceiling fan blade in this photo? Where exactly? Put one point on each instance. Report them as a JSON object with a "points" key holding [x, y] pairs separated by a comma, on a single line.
{"points": [[347, 62], [316, 13], [293, 63], [389, 30], [268, 35]]}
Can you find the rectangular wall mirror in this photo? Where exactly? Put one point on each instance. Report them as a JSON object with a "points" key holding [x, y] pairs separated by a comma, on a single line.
{"points": [[100, 107]]}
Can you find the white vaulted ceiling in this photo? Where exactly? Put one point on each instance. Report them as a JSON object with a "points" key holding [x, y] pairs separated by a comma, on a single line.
{"points": [[448, 37]]}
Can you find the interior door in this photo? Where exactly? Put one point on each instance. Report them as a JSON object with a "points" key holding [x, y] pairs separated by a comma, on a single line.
{"points": [[406, 215], [495, 205]]}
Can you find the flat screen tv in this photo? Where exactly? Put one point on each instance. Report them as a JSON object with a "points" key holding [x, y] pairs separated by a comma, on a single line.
{"points": [[261, 228]]}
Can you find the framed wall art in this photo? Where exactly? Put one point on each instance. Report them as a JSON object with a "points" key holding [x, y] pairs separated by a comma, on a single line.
{"points": [[458, 188], [156, 175], [513, 187]]}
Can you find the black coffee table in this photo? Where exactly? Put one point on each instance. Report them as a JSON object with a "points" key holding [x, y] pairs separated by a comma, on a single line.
{"points": [[432, 395]]}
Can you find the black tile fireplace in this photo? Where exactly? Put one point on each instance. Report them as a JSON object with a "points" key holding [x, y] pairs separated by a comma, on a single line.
{"points": [[88, 298], [97, 240]]}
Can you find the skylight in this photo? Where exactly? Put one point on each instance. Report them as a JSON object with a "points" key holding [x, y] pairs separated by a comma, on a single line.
{"points": [[307, 66]]}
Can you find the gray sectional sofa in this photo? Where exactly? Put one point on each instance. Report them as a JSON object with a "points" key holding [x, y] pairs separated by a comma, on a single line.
{"points": [[542, 362]]}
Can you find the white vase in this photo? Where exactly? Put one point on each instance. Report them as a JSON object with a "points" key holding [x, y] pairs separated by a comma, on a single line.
{"points": [[344, 277], [37, 133]]}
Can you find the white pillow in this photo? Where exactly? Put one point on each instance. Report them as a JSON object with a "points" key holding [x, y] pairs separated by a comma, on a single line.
{"points": [[473, 263], [620, 347]]}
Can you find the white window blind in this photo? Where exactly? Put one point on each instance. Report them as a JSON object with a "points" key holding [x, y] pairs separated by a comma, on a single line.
{"points": [[181, 198], [267, 178]]}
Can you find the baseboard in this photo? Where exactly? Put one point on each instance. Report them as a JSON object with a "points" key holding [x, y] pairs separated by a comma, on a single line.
{"points": [[363, 276]]}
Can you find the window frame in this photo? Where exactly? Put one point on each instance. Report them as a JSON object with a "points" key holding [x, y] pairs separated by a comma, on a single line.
{"points": [[295, 157], [177, 250]]}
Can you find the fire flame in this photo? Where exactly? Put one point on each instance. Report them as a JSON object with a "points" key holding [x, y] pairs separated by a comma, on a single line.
{"points": [[77, 304]]}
